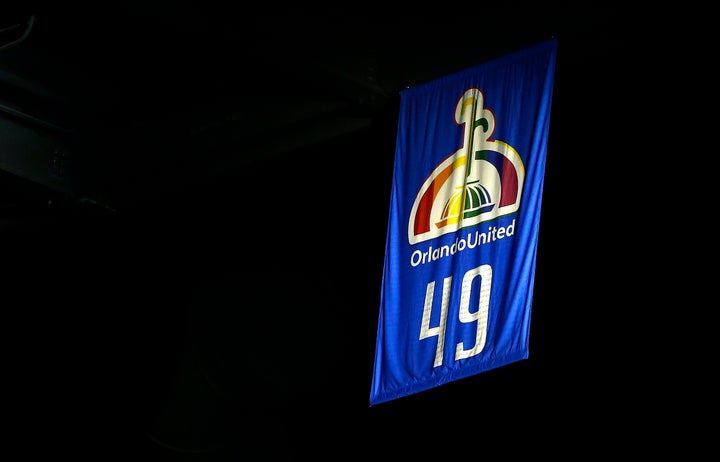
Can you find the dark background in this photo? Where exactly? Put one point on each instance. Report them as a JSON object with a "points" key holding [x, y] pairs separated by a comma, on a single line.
{"points": [[193, 206]]}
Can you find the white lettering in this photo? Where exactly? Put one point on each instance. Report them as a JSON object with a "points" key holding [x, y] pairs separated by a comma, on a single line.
{"points": [[472, 240]]}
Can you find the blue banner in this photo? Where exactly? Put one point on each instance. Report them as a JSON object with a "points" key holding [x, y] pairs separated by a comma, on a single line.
{"points": [[462, 233]]}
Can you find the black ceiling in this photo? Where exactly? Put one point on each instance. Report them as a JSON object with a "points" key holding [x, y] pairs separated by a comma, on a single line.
{"points": [[113, 104]]}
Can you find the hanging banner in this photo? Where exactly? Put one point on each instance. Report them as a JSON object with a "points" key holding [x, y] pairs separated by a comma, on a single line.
{"points": [[462, 233]]}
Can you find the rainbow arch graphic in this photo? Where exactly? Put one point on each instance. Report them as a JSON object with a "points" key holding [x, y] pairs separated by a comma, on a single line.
{"points": [[479, 182]]}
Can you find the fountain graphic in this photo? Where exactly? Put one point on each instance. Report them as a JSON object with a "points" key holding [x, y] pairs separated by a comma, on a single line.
{"points": [[479, 182]]}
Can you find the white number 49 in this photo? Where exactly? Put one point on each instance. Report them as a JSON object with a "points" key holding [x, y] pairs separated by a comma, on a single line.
{"points": [[479, 316]]}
